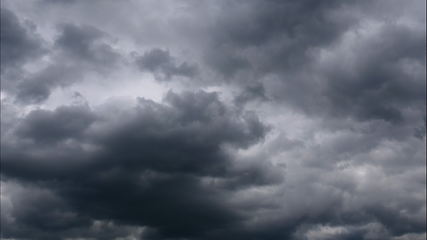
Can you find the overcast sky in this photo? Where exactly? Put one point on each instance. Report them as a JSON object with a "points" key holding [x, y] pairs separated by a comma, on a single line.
{"points": [[213, 120]]}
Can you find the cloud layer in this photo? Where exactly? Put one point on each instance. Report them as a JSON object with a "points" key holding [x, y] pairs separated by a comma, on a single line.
{"points": [[205, 120]]}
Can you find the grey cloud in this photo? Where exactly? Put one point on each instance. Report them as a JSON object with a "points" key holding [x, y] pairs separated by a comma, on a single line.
{"points": [[155, 152], [316, 129], [86, 43], [226, 62], [64, 122], [42, 214], [39, 214], [271, 35], [280, 43], [80, 50], [381, 86], [19, 44], [251, 92], [37, 87], [163, 65]]}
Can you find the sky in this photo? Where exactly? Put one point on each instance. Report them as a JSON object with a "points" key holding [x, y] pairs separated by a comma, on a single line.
{"points": [[206, 120]]}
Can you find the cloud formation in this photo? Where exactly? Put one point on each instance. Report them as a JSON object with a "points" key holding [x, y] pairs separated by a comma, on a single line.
{"points": [[202, 120], [163, 65], [17, 41]]}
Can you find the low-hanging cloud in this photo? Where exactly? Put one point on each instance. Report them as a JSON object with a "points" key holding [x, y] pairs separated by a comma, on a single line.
{"points": [[206, 120]]}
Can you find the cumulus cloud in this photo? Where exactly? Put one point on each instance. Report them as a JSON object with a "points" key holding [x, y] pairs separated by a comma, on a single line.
{"points": [[208, 120], [152, 152], [163, 65], [77, 52]]}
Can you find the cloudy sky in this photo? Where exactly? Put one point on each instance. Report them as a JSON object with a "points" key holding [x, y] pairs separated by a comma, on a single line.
{"points": [[206, 120]]}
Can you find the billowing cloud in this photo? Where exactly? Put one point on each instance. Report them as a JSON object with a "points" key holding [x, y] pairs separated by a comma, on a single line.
{"points": [[85, 43], [151, 152], [206, 120], [77, 52], [163, 65]]}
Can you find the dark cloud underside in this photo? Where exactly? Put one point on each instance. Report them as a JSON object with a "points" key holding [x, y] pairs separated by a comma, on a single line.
{"points": [[203, 120]]}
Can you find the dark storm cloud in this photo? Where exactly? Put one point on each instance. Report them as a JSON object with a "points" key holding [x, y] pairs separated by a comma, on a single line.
{"points": [[19, 44], [317, 130], [64, 122], [194, 127], [42, 213], [150, 163], [163, 65]]}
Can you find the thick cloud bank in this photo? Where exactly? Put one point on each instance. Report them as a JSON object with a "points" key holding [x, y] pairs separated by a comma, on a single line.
{"points": [[203, 120]]}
